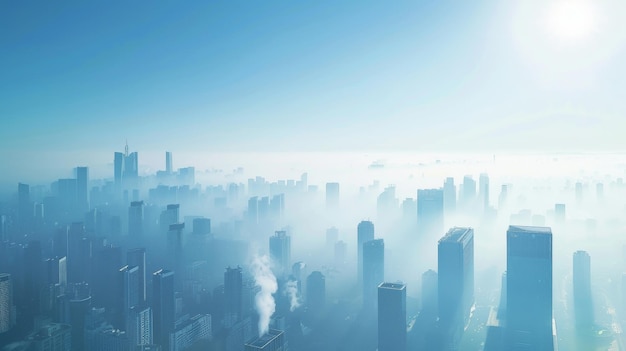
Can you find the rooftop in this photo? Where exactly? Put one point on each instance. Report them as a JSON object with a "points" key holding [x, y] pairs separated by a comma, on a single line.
{"points": [[265, 339], [457, 234], [530, 229], [392, 286]]}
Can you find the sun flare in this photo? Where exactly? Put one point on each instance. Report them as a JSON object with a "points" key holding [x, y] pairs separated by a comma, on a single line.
{"points": [[571, 20]]}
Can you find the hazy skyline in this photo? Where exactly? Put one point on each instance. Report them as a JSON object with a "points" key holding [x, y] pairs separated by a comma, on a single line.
{"points": [[79, 79]]}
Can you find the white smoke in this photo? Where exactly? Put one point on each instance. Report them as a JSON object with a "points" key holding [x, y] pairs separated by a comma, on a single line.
{"points": [[264, 301], [291, 290]]}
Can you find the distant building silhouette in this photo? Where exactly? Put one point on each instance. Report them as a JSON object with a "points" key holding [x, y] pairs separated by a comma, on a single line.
{"points": [[136, 219], [455, 283], [169, 162], [137, 257], [373, 270], [316, 291], [280, 250], [233, 295], [582, 289], [449, 196], [430, 283], [430, 212], [365, 233], [163, 304], [332, 195], [529, 322], [392, 317]]}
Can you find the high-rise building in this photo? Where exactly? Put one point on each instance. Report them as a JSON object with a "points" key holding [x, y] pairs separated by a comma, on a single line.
{"points": [[429, 212], [559, 213], [51, 337], [430, 292], [392, 317], [365, 233], [106, 266], [483, 190], [280, 250], [582, 288], [25, 209], [7, 311], [373, 270], [274, 340], [135, 219], [316, 291], [529, 289], [163, 305], [332, 195], [137, 257], [168, 162], [82, 188], [118, 171], [468, 195], [139, 325], [455, 283], [129, 286], [449, 196], [33, 279], [171, 215], [201, 226], [233, 295]]}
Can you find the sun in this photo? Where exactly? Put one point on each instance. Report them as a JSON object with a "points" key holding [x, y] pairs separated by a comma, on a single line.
{"points": [[571, 20]]}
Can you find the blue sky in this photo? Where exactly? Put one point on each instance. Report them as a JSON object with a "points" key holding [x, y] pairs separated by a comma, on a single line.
{"points": [[304, 75]]}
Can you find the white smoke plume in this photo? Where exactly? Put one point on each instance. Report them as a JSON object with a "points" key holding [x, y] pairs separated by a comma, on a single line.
{"points": [[291, 290], [264, 301]]}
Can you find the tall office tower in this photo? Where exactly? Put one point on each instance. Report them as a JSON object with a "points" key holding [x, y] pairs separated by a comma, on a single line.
{"points": [[387, 203], [168, 162], [449, 196], [469, 191], [4, 232], [78, 253], [430, 292], [274, 340], [332, 195], [582, 288], [365, 233], [175, 249], [253, 210], [56, 271], [135, 219], [33, 279], [233, 295], [7, 311], [187, 175], [140, 325], [503, 197], [106, 265], [171, 215], [24, 208], [559, 213], [137, 257], [483, 190], [163, 306], [82, 188], [280, 250], [79, 305], [456, 283], [429, 212], [529, 288], [409, 210], [392, 317], [118, 171], [131, 166], [316, 291], [201, 226], [128, 296], [373, 270]]}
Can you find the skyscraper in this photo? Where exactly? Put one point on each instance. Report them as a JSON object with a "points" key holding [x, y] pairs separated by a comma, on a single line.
{"points": [[469, 191], [582, 288], [429, 212], [7, 312], [365, 233], [316, 291], [163, 306], [233, 295], [280, 250], [483, 190], [529, 288], [82, 188], [430, 292], [25, 209], [449, 195], [118, 171], [392, 317], [135, 219], [137, 257], [332, 195], [128, 297], [168, 162], [455, 283], [373, 270]]}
